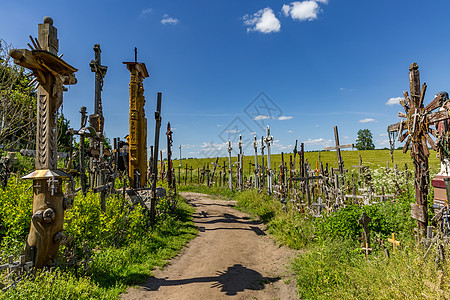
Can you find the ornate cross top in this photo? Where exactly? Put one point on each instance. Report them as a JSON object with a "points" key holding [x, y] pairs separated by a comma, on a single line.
{"points": [[417, 121], [100, 73]]}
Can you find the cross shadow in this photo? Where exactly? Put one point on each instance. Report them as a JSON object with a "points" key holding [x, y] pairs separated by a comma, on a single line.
{"points": [[232, 281], [227, 218]]}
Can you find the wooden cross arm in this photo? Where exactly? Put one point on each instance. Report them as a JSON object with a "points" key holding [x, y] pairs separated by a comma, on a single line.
{"points": [[41, 60], [339, 147], [306, 178], [437, 116], [397, 126]]}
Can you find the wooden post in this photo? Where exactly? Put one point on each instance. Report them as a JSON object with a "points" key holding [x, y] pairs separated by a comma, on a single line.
{"points": [[364, 221], [46, 231]]}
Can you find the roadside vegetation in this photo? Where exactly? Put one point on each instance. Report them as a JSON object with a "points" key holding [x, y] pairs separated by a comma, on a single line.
{"points": [[103, 253]]}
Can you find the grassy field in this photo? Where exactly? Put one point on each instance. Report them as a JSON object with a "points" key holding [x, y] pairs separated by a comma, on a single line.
{"points": [[372, 158]]}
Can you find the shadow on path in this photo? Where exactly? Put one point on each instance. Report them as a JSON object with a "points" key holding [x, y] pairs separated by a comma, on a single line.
{"points": [[232, 281]]}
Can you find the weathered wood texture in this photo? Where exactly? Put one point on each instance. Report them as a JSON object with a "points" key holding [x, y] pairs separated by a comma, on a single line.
{"points": [[48, 205]]}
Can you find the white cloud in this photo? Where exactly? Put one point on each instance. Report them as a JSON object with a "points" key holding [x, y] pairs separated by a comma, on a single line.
{"points": [[383, 134], [283, 118], [290, 131], [219, 125], [261, 117], [367, 120], [319, 141], [232, 131], [393, 101], [263, 21], [169, 20], [346, 137], [253, 132], [145, 12], [316, 125], [303, 10]]}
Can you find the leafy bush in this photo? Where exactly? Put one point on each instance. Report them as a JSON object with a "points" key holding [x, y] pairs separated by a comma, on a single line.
{"points": [[16, 203], [387, 217]]}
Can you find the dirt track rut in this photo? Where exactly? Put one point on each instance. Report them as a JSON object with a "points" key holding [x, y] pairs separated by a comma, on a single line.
{"points": [[230, 258]]}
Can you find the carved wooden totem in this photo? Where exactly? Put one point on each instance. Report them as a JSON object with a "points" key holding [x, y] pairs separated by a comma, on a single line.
{"points": [[137, 138], [48, 200]]}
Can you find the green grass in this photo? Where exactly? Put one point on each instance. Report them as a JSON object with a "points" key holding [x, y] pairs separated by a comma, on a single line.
{"points": [[332, 265], [372, 158], [113, 269]]}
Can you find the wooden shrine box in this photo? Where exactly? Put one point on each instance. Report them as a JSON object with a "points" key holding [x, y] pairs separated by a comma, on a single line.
{"points": [[440, 194]]}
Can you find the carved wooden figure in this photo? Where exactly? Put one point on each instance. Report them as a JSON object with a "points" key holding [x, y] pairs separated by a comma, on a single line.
{"points": [[48, 200], [138, 125]]}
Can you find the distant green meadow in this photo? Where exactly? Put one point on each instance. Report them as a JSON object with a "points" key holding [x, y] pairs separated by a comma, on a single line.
{"points": [[371, 158]]}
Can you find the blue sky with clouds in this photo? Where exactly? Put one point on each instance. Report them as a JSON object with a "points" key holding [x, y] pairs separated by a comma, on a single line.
{"points": [[232, 67]]}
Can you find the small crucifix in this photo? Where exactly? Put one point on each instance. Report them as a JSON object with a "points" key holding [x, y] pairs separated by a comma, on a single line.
{"points": [[320, 205], [394, 242]]}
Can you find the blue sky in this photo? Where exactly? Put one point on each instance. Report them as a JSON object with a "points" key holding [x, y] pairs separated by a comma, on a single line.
{"points": [[315, 64]]}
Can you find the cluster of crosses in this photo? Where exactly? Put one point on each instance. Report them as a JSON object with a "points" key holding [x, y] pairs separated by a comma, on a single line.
{"points": [[103, 165]]}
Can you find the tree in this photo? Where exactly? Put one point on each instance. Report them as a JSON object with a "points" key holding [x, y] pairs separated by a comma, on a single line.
{"points": [[17, 103], [364, 140]]}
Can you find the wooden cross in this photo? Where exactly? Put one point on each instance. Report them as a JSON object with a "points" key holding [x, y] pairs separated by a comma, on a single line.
{"points": [[338, 152], [416, 122], [394, 242], [307, 178], [169, 133], [359, 167], [319, 205], [158, 120], [364, 221], [96, 120]]}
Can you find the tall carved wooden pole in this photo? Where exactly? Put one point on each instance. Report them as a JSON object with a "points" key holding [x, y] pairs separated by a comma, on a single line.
{"points": [[138, 126], [48, 200], [97, 121]]}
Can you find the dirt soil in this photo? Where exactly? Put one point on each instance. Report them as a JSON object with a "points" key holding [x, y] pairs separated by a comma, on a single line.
{"points": [[231, 257]]}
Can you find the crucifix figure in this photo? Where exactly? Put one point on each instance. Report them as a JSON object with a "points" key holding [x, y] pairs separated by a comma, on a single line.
{"points": [[416, 122], [97, 120], [338, 148], [52, 73], [364, 221]]}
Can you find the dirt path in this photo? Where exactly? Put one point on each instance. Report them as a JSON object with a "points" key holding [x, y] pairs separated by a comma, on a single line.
{"points": [[231, 258]]}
